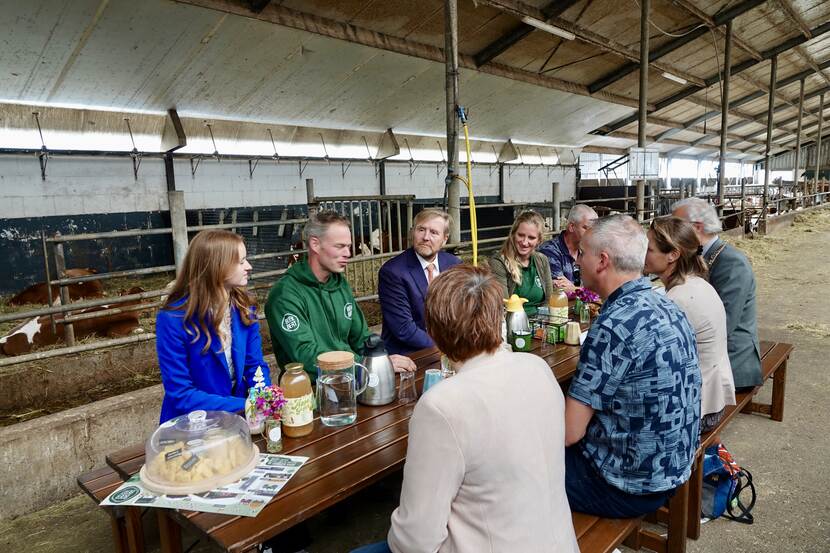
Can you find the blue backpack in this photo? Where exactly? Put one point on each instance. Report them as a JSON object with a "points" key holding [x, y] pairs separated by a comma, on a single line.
{"points": [[723, 482]]}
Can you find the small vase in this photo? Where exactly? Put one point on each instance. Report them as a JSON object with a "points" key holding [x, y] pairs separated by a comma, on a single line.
{"points": [[256, 423], [273, 435]]}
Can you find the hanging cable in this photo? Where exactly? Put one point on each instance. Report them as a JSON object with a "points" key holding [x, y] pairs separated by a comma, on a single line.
{"points": [[462, 115], [653, 24]]}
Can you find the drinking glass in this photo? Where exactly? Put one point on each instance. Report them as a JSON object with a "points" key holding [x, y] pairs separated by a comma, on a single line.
{"points": [[447, 369], [431, 378], [407, 392]]}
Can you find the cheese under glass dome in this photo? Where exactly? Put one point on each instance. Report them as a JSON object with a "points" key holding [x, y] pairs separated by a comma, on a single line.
{"points": [[198, 452]]}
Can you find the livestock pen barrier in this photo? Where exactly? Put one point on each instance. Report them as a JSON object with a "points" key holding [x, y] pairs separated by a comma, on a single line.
{"points": [[379, 224]]}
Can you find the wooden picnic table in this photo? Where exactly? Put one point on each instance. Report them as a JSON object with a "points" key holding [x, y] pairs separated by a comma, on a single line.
{"points": [[342, 461]]}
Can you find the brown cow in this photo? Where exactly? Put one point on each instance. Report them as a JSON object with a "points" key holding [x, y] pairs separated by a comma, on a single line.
{"points": [[38, 331], [37, 293]]}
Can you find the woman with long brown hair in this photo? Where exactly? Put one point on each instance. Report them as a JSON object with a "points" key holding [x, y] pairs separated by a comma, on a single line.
{"points": [[674, 255], [207, 335], [519, 268]]}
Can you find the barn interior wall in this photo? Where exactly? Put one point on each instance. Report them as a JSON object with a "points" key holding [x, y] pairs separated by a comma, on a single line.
{"points": [[99, 194]]}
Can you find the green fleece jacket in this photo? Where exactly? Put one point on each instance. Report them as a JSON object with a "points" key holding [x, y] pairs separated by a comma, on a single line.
{"points": [[307, 317]]}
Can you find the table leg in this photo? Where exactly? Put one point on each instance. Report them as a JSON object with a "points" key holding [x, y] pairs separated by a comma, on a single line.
{"points": [[119, 536], [170, 533], [135, 532], [779, 381]]}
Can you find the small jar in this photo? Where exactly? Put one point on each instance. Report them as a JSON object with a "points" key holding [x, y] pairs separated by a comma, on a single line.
{"points": [[252, 416], [273, 435]]}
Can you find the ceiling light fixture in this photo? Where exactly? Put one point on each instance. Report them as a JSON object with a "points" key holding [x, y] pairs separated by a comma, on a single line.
{"points": [[674, 78], [542, 26]]}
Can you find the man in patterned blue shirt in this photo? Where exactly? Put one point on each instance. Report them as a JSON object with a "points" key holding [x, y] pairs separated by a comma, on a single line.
{"points": [[632, 418]]}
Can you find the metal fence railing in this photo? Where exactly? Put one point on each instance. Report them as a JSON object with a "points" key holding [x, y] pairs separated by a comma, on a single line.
{"points": [[387, 218]]}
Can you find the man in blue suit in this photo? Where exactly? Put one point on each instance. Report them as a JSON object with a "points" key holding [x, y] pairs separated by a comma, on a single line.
{"points": [[404, 279]]}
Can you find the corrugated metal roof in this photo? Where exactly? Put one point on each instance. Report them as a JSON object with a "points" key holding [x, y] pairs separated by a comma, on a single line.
{"points": [[216, 59]]}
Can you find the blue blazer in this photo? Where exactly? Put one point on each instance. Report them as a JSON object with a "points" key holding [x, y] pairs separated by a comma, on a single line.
{"points": [[402, 290], [195, 380]]}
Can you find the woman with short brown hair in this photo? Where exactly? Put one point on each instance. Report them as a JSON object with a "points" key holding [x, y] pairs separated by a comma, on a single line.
{"points": [[485, 468]]}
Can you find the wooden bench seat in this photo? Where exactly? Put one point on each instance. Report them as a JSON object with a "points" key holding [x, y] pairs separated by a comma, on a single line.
{"points": [[603, 535], [774, 357], [127, 533]]}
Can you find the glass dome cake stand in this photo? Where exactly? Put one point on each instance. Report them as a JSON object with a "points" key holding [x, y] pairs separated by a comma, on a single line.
{"points": [[198, 452]]}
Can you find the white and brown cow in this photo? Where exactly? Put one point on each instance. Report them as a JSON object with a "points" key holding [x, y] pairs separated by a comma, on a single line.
{"points": [[38, 331], [38, 293]]}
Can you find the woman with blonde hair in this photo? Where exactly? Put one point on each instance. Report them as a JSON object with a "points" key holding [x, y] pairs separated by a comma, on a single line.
{"points": [[207, 335], [674, 255], [519, 268]]}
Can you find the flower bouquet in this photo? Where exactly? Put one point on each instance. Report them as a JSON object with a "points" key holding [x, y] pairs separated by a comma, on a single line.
{"points": [[583, 294], [266, 404]]}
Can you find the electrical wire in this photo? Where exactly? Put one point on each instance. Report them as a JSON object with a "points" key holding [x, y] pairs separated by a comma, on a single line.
{"points": [[653, 24], [470, 195]]}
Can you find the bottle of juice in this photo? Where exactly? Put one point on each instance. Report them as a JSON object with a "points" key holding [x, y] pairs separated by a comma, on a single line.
{"points": [[559, 305], [297, 413]]}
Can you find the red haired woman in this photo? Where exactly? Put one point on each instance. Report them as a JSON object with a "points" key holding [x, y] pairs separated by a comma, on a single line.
{"points": [[207, 335]]}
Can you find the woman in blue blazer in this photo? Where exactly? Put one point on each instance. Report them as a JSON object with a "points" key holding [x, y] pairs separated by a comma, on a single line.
{"points": [[207, 334]]}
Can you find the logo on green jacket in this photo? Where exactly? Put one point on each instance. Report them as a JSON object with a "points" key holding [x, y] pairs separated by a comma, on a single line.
{"points": [[290, 322], [347, 311], [538, 282]]}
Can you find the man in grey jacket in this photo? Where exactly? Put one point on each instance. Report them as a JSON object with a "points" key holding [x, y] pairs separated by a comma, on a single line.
{"points": [[731, 275]]}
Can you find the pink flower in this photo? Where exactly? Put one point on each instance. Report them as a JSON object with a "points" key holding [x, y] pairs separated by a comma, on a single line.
{"points": [[269, 401]]}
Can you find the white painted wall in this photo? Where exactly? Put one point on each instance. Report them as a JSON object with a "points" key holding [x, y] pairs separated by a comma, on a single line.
{"points": [[229, 184], [533, 183], [89, 185], [76, 186], [426, 180]]}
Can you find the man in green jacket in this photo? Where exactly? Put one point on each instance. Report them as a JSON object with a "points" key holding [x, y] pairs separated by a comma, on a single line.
{"points": [[311, 309]]}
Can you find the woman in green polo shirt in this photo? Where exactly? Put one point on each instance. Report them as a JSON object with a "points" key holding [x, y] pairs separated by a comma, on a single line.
{"points": [[519, 268]]}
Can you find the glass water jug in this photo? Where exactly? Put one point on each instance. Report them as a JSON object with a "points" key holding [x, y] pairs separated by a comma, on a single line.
{"points": [[338, 387]]}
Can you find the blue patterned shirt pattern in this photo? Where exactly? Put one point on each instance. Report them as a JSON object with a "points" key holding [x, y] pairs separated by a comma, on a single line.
{"points": [[638, 369]]}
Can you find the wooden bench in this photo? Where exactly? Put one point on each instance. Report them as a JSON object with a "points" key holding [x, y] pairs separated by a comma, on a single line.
{"points": [[774, 357], [603, 535], [127, 532]]}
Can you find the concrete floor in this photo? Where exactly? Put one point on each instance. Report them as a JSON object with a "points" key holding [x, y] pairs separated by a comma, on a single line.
{"points": [[790, 461]]}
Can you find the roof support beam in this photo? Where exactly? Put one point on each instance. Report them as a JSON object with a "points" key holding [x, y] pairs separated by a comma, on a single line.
{"points": [[801, 26], [286, 17], [798, 132], [719, 19], [773, 71], [724, 118], [706, 18], [642, 113], [714, 79], [788, 10], [451, 89], [649, 139], [521, 10], [506, 41]]}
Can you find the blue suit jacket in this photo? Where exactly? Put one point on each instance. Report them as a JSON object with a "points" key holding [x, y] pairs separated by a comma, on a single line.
{"points": [[195, 380], [402, 289]]}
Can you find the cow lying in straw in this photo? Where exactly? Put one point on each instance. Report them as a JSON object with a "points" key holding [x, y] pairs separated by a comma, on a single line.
{"points": [[37, 331], [38, 293]]}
